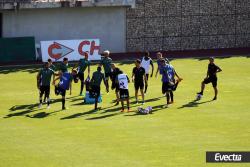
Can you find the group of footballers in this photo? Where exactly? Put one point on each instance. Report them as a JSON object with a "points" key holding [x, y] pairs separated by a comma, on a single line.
{"points": [[62, 79]]}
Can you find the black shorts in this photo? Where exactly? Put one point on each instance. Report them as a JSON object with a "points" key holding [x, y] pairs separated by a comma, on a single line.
{"points": [[60, 91], [75, 78], [95, 91], [167, 87], [108, 75], [212, 80], [81, 76], [115, 86], [139, 85], [45, 90], [124, 94]]}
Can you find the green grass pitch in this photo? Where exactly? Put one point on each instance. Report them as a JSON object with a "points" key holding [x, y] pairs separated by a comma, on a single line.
{"points": [[177, 136]]}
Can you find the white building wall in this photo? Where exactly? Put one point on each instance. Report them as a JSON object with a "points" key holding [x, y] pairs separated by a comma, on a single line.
{"points": [[106, 23]]}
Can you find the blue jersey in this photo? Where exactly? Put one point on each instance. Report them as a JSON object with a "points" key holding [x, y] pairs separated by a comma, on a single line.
{"points": [[167, 73], [65, 80]]}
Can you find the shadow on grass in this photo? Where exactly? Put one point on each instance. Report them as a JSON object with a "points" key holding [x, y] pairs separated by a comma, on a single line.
{"points": [[194, 103], [22, 113], [77, 115], [27, 109], [81, 98], [104, 116], [22, 107], [112, 109], [22, 110], [42, 114]]}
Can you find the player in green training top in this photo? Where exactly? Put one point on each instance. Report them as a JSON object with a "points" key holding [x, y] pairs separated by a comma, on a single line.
{"points": [[96, 81], [43, 83], [51, 65], [53, 68], [63, 67], [106, 62], [83, 64]]}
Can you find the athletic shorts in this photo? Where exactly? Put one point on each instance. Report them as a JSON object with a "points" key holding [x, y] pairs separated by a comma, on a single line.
{"points": [[115, 86], [95, 91], [167, 87], [139, 85], [124, 94], [81, 76], [211, 80], [45, 90], [108, 75], [60, 91], [75, 78]]}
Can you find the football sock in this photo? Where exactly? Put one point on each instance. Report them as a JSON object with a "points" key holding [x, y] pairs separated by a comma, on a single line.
{"points": [[63, 103], [81, 87], [167, 98], [146, 88], [171, 96]]}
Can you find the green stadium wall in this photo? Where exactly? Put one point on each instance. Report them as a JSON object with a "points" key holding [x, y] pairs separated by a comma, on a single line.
{"points": [[21, 49]]}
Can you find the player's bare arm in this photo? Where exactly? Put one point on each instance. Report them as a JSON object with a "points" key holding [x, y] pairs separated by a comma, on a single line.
{"points": [[38, 78], [152, 65], [88, 70], [145, 79]]}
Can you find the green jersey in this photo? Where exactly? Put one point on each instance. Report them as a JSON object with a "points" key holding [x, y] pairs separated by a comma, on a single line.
{"points": [[63, 67], [106, 62], [52, 67], [97, 78], [45, 76], [83, 64]]}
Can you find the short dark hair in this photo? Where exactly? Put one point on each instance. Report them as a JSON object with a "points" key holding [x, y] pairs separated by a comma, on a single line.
{"points": [[147, 53], [65, 59], [163, 60], [211, 58], [138, 61], [74, 71], [120, 72], [49, 60], [99, 68]]}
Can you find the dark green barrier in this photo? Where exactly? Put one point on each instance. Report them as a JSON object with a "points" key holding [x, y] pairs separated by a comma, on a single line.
{"points": [[19, 49]]}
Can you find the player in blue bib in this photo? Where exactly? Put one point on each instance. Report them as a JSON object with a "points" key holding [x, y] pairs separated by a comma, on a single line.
{"points": [[65, 80], [168, 80]]}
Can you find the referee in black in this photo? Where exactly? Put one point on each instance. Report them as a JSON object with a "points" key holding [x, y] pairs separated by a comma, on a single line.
{"points": [[211, 77], [139, 78]]}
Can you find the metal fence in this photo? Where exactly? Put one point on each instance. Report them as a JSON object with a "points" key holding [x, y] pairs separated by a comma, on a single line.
{"points": [[188, 24]]}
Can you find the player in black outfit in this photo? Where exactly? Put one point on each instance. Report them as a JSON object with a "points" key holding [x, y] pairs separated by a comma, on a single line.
{"points": [[139, 77], [211, 77], [115, 72]]}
